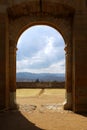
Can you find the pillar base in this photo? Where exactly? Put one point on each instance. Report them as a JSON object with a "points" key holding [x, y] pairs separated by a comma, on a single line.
{"points": [[13, 104], [68, 102]]}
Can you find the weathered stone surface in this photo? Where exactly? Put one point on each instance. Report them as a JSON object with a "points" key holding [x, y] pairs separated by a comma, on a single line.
{"points": [[70, 19]]}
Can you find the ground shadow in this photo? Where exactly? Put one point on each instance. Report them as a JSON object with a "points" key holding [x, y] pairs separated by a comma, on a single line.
{"points": [[14, 120], [83, 114]]}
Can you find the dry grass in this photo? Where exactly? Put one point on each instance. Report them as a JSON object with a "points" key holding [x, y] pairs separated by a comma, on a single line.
{"points": [[27, 92], [44, 108], [54, 91], [35, 92]]}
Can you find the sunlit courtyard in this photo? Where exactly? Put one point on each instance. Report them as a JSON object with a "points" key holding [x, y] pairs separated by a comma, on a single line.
{"points": [[40, 97], [44, 108]]}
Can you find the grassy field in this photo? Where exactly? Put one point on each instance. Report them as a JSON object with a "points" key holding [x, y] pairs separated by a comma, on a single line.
{"points": [[35, 92]]}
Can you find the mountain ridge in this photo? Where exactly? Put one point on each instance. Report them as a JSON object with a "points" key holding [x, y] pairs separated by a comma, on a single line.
{"points": [[28, 77]]}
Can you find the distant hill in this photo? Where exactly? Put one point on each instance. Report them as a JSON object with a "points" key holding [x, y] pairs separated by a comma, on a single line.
{"points": [[29, 77]]}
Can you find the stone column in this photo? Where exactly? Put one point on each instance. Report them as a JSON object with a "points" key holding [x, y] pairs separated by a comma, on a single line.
{"points": [[12, 75], [68, 80], [4, 62]]}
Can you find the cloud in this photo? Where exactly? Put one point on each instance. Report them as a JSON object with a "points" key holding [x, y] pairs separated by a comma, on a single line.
{"points": [[54, 68], [40, 53]]}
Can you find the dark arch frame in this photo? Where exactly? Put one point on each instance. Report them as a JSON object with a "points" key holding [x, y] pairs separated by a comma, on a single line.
{"points": [[18, 25]]}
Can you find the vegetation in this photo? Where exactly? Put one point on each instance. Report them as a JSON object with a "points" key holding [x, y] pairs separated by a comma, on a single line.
{"points": [[39, 84]]}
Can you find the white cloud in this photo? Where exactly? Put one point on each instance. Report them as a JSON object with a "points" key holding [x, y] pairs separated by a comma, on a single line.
{"points": [[45, 55], [49, 46], [58, 67]]}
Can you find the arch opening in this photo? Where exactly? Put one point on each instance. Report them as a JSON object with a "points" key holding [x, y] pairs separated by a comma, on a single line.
{"points": [[64, 27], [45, 40], [41, 51]]}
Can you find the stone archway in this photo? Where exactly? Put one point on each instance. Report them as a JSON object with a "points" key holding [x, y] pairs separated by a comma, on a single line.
{"points": [[68, 76], [69, 17], [20, 21]]}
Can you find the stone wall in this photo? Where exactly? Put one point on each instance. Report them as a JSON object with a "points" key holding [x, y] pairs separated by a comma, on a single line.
{"points": [[40, 85], [4, 62], [80, 62], [69, 17]]}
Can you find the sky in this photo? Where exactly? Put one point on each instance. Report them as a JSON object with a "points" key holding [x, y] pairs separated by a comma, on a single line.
{"points": [[40, 50]]}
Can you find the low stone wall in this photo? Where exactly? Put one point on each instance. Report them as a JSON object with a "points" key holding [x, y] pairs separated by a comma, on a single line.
{"points": [[40, 84]]}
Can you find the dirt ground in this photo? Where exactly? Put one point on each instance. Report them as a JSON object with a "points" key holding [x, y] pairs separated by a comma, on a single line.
{"points": [[43, 111]]}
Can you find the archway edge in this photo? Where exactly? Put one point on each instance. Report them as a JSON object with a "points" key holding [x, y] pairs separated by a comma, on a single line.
{"points": [[57, 14], [17, 25], [41, 24]]}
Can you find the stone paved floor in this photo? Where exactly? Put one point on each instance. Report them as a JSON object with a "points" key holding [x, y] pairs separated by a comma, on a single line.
{"points": [[43, 108], [44, 112]]}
